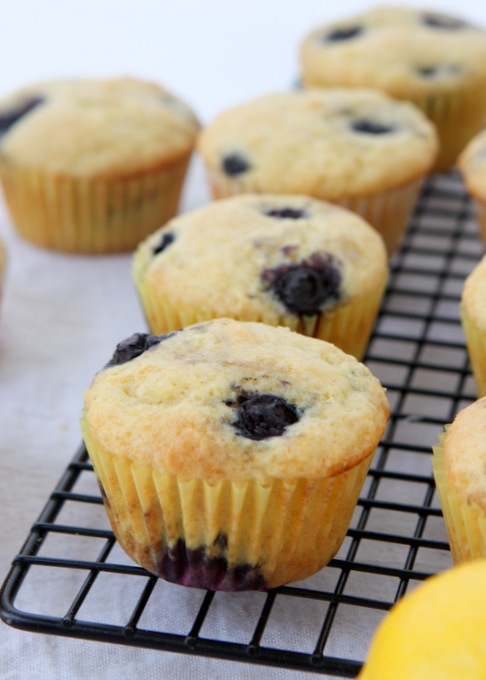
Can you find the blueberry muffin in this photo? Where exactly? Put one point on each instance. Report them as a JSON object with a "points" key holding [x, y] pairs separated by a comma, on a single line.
{"points": [[282, 260], [473, 319], [460, 473], [231, 455], [358, 148], [436, 631], [436, 61], [93, 166], [472, 165]]}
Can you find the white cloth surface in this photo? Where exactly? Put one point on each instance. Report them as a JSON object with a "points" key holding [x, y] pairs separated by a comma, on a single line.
{"points": [[62, 315]]}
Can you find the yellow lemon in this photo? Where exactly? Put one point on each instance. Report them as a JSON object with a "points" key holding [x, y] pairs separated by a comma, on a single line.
{"points": [[438, 632]]}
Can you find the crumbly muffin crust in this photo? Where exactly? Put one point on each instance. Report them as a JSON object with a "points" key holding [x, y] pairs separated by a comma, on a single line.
{"points": [[176, 406], [406, 52], [472, 164], [227, 258], [465, 453], [330, 144], [105, 128], [474, 293]]}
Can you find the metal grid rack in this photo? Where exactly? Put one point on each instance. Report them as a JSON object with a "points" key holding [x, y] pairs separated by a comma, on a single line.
{"points": [[397, 537]]}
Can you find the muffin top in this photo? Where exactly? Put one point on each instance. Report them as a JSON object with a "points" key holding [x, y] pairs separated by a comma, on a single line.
{"points": [[236, 400], [474, 294], [465, 453], [406, 52], [332, 144], [472, 164], [266, 257], [95, 128]]}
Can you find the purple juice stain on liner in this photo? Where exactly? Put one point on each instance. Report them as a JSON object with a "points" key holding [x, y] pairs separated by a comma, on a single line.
{"points": [[196, 569]]}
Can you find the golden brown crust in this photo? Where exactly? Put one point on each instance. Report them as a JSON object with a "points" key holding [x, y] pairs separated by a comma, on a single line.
{"points": [[105, 129], [172, 408], [465, 453], [220, 253], [315, 142], [399, 52]]}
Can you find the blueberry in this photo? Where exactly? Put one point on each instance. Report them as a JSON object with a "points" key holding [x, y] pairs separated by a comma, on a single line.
{"points": [[427, 71], [10, 116], [235, 165], [306, 288], [287, 213], [338, 34], [432, 71], [370, 127], [441, 21], [263, 415], [167, 238], [134, 346]]}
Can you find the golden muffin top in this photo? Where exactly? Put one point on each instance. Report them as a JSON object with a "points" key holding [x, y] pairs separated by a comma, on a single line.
{"points": [[263, 257], [105, 128], [331, 144], [405, 52], [236, 400]]}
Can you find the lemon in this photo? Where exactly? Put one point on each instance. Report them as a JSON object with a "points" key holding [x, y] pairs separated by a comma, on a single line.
{"points": [[438, 632]]}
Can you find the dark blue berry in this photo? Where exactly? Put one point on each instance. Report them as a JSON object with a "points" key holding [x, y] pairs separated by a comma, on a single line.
{"points": [[134, 346], [10, 116], [165, 241], [235, 165], [263, 415], [306, 288], [370, 127], [347, 33], [427, 71], [287, 213], [441, 21]]}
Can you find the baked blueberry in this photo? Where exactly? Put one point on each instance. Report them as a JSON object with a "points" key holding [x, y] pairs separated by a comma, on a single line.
{"points": [[427, 71], [167, 238], [346, 33], [286, 213], [371, 127], [306, 288], [235, 164], [441, 21], [10, 116], [263, 415], [134, 346]]}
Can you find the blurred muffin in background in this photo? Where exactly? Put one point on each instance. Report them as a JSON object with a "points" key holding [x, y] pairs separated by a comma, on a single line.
{"points": [[436, 61], [358, 148], [93, 166]]}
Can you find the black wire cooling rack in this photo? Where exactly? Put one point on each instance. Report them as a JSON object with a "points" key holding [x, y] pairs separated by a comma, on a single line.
{"points": [[397, 537]]}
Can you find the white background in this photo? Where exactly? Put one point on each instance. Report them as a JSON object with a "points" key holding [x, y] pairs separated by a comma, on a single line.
{"points": [[62, 315]]}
